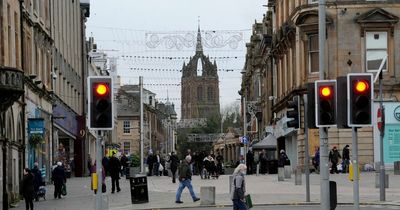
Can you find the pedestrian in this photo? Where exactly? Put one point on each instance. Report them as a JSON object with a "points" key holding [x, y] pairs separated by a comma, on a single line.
{"points": [[37, 180], [238, 188], [115, 167], [156, 164], [150, 162], [263, 160], [174, 162], [250, 161], [346, 159], [316, 160], [283, 159], [26, 188], [59, 179], [334, 158], [124, 164], [89, 164], [105, 163], [185, 180]]}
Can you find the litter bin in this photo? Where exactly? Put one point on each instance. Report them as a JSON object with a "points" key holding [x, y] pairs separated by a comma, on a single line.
{"points": [[332, 195], [139, 190]]}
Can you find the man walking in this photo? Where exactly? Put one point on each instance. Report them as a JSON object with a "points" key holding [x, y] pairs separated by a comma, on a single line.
{"points": [[334, 158], [346, 158], [174, 165], [59, 179], [185, 180], [115, 167]]}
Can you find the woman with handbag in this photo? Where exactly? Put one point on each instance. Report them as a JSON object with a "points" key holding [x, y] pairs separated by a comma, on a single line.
{"points": [[59, 179], [103, 184], [238, 188], [27, 188]]}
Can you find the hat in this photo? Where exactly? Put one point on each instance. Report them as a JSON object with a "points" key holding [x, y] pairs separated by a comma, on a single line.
{"points": [[59, 163]]}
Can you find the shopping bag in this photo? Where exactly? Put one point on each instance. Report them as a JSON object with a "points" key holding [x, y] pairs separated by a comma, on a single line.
{"points": [[249, 202], [64, 190]]}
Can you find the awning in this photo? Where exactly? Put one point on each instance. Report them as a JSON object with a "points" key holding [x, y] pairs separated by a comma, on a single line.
{"points": [[268, 142]]}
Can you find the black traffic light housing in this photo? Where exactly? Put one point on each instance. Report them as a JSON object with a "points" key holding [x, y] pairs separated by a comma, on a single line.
{"points": [[100, 95], [360, 89], [294, 113], [311, 105], [342, 102], [325, 103]]}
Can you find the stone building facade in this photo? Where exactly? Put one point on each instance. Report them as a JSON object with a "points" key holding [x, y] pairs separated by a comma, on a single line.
{"points": [[358, 33], [200, 93]]}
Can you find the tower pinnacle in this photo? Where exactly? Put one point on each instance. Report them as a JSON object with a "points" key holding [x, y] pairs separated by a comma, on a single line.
{"points": [[199, 47]]}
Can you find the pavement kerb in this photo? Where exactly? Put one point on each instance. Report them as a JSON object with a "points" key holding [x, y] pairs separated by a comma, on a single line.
{"points": [[278, 204]]}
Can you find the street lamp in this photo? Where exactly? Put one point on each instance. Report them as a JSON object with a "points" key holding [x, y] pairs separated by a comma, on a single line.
{"points": [[11, 88]]}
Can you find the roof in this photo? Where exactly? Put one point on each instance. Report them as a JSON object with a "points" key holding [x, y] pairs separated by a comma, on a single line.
{"points": [[268, 142]]}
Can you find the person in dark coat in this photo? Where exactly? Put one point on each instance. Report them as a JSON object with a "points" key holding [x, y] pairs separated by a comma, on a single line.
{"points": [[249, 162], [174, 165], [334, 158], [27, 188], [89, 164], [150, 162], [59, 178], [115, 167], [263, 159], [105, 162], [37, 180], [124, 164], [283, 159], [346, 158], [185, 180]]}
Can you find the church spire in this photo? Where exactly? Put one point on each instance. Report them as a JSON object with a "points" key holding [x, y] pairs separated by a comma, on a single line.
{"points": [[199, 47]]}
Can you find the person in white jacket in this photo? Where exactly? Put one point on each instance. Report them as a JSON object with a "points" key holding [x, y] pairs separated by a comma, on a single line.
{"points": [[238, 188]]}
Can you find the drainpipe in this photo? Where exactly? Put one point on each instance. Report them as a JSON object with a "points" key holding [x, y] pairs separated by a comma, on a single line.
{"points": [[22, 146]]}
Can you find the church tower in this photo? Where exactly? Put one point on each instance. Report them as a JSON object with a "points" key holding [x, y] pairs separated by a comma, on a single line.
{"points": [[200, 93]]}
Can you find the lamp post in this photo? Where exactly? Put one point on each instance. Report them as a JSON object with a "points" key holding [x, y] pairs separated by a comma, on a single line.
{"points": [[11, 88]]}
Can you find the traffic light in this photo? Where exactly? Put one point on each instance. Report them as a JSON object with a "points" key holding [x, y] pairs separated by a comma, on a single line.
{"points": [[325, 107], [310, 105], [294, 113], [359, 90], [100, 103]]}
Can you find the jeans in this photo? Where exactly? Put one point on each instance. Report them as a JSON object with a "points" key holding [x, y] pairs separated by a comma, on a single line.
{"points": [[239, 205], [115, 180], [182, 184]]}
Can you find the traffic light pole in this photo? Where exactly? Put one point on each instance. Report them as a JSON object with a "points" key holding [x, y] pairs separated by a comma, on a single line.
{"points": [[141, 126], [306, 148], [244, 128], [355, 170], [99, 171], [382, 180], [323, 132]]}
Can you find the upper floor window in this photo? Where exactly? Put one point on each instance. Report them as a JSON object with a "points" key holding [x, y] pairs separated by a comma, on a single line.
{"points": [[313, 53], [127, 126], [210, 94], [127, 148], [376, 49], [200, 93]]}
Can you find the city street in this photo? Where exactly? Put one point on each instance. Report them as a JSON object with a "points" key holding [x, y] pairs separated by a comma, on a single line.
{"points": [[264, 189], [303, 208]]}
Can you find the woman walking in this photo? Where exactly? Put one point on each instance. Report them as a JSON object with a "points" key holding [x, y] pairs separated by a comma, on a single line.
{"points": [[27, 189], [238, 188]]}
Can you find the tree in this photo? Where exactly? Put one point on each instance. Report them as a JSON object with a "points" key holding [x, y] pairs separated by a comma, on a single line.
{"points": [[231, 116]]}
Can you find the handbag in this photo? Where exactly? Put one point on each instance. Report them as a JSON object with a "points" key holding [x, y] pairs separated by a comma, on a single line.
{"points": [[160, 168], [64, 190], [249, 202]]}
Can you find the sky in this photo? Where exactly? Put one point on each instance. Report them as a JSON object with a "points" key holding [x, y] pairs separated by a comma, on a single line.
{"points": [[152, 38]]}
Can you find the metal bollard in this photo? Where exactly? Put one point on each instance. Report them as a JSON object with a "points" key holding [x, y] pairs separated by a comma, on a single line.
{"points": [[258, 170], [281, 174], [297, 176], [288, 172]]}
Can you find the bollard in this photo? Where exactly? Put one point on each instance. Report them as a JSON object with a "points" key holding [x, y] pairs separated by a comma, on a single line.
{"points": [[258, 170], [297, 176], [288, 172], [281, 174], [207, 195], [377, 180]]}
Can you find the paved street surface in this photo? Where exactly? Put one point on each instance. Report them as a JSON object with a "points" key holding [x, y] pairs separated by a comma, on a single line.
{"points": [[303, 208], [264, 189]]}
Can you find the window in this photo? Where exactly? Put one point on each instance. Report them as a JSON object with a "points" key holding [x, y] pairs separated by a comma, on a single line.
{"points": [[210, 94], [127, 126], [376, 49], [200, 93], [313, 53], [127, 147]]}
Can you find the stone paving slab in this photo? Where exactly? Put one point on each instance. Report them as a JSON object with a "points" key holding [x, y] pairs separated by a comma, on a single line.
{"points": [[264, 189]]}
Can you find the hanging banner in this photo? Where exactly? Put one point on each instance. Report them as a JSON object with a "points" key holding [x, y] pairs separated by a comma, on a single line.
{"points": [[36, 126]]}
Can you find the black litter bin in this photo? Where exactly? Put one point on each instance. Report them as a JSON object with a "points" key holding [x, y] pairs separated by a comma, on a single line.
{"points": [[139, 190], [332, 195], [273, 167]]}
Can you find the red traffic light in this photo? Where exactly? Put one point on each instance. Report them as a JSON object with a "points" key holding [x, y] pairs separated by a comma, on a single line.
{"points": [[325, 91], [361, 86], [102, 89]]}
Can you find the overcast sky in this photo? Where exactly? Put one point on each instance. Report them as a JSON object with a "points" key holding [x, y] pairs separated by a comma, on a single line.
{"points": [[123, 28]]}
